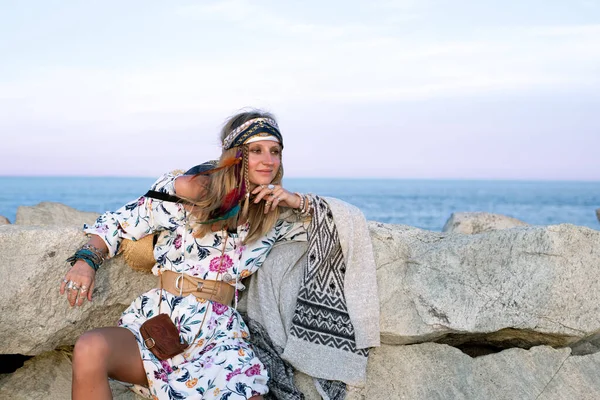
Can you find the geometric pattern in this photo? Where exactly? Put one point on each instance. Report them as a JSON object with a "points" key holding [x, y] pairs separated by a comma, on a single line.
{"points": [[321, 315]]}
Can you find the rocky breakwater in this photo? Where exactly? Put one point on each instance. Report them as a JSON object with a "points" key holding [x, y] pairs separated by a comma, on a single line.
{"points": [[525, 300], [34, 319], [507, 314], [479, 222]]}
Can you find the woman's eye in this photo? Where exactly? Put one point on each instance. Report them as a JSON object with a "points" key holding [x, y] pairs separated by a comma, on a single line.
{"points": [[255, 150]]}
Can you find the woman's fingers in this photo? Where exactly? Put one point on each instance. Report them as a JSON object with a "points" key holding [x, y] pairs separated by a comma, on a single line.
{"points": [[72, 292], [84, 293], [63, 285], [261, 192], [273, 196], [78, 283], [90, 290]]}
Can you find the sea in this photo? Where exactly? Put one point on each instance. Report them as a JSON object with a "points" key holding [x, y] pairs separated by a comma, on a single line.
{"points": [[425, 204]]}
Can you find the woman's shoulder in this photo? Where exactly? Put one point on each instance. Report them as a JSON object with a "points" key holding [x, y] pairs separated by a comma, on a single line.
{"points": [[191, 187], [190, 184], [166, 182]]}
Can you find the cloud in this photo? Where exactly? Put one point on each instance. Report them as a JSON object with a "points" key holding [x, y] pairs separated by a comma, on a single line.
{"points": [[251, 16], [339, 62], [586, 31]]}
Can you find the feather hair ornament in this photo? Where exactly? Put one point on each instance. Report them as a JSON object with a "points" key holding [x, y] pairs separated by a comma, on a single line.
{"points": [[235, 195], [225, 216], [226, 163]]}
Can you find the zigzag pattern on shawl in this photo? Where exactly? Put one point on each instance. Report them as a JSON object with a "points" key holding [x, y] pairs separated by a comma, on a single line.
{"points": [[321, 315]]}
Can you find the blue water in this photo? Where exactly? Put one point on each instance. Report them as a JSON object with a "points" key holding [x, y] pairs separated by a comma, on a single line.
{"points": [[422, 203]]}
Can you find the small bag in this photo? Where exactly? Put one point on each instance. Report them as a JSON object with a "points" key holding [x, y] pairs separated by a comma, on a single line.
{"points": [[161, 337]]}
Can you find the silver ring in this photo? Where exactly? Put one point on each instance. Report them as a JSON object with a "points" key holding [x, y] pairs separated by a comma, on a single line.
{"points": [[75, 286], [270, 186], [70, 285], [65, 280]]}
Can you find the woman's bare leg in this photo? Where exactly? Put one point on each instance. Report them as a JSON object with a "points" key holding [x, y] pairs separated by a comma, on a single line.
{"points": [[103, 353]]}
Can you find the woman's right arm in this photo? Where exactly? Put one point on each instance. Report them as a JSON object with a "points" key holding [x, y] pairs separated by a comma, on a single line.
{"points": [[134, 220]]}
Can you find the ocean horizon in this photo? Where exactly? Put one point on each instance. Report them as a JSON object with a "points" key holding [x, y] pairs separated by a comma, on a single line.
{"points": [[423, 203]]}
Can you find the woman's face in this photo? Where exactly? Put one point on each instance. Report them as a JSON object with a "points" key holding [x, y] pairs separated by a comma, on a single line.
{"points": [[264, 159]]}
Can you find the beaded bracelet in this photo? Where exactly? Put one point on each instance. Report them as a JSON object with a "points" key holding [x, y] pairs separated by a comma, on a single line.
{"points": [[301, 207], [305, 206], [94, 250], [90, 254], [309, 207]]}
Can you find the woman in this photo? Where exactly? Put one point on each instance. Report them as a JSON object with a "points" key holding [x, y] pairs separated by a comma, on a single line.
{"points": [[222, 232]]}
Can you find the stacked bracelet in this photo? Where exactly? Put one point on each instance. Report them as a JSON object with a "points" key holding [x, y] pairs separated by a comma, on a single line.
{"points": [[304, 210], [90, 254], [301, 207]]}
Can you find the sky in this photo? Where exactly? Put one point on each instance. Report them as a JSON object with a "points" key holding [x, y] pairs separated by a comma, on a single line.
{"points": [[428, 89]]}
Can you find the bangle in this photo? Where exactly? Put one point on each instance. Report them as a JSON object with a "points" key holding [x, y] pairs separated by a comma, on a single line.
{"points": [[305, 206], [94, 250], [90, 254], [308, 209], [301, 206]]}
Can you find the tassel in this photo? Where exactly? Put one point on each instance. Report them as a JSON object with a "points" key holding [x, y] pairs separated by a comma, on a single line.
{"points": [[235, 195]]}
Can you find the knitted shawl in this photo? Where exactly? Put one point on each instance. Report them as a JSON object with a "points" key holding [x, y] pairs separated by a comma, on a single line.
{"points": [[324, 331]]}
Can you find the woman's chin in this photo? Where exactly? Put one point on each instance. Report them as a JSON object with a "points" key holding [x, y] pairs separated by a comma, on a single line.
{"points": [[262, 181]]}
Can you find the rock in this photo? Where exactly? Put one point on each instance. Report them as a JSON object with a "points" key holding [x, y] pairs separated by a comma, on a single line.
{"points": [[306, 385], [48, 376], [434, 371], [478, 222], [4, 220], [598, 214], [55, 214], [34, 318], [510, 288]]}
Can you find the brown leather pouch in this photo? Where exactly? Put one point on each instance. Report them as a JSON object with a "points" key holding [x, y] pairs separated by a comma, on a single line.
{"points": [[161, 337]]}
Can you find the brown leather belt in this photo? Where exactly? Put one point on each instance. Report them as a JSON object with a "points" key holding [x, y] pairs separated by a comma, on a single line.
{"points": [[182, 284]]}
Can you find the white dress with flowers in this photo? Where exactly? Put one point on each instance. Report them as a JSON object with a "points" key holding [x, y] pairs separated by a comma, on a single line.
{"points": [[221, 364]]}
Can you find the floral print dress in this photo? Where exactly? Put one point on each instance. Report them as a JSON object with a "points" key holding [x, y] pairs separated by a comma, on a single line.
{"points": [[221, 363]]}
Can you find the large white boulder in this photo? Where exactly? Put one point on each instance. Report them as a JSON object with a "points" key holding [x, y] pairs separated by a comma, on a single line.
{"points": [[34, 318], [518, 287], [479, 222], [435, 371], [54, 214]]}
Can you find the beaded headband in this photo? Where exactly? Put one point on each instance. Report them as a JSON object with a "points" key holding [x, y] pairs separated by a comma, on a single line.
{"points": [[253, 127]]}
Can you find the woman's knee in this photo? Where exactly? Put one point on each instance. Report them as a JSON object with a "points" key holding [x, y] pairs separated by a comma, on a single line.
{"points": [[91, 351]]}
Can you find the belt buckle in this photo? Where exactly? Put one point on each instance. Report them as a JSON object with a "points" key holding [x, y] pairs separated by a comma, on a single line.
{"points": [[177, 282], [199, 286], [149, 343]]}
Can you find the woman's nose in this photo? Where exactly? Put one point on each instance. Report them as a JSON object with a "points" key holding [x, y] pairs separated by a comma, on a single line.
{"points": [[269, 159]]}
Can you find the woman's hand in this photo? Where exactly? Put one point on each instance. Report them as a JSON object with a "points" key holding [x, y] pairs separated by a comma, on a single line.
{"points": [[274, 196], [78, 283]]}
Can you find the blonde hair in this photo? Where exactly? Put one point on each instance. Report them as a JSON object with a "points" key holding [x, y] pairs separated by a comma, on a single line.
{"points": [[224, 181]]}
